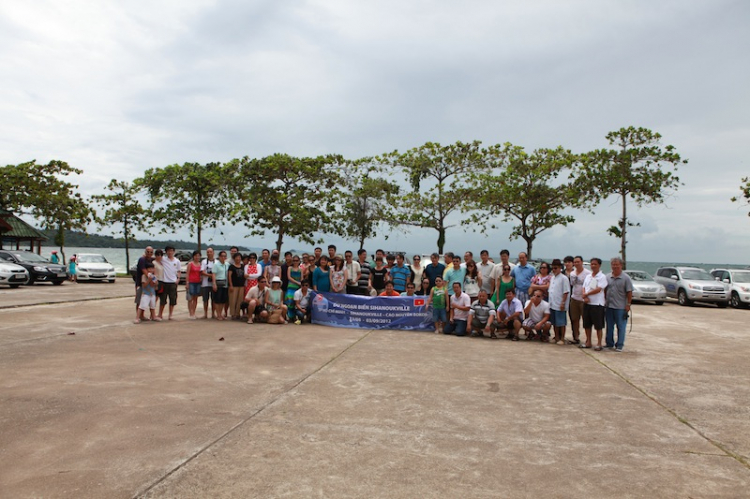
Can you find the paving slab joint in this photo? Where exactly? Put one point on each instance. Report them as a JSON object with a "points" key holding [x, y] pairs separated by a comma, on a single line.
{"points": [[737, 457], [250, 417]]}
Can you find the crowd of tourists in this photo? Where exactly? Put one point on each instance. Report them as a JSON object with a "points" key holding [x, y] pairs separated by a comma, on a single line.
{"points": [[467, 297]]}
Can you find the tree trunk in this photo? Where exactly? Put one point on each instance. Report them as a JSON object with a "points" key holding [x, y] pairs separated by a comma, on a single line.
{"points": [[623, 241], [279, 241], [529, 246], [441, 239], [126, 233], [60, 240], [198, 231]]}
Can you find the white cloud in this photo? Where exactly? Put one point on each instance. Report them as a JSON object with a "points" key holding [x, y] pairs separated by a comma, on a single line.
{"points": [[115, 88]]}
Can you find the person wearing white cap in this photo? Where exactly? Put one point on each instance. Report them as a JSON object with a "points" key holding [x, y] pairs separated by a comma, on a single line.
{"points": [[275, 299]]}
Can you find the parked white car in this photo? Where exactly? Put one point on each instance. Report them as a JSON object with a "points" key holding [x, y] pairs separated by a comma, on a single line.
{"points": [[739, 282], [645, 288], [94, 267], [13, 275]]}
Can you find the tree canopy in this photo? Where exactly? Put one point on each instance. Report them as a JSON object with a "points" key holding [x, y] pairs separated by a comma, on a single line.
{"points": [[287, 196], [637, 168], [122, 207], [42, 192], [526, 188], [190, 195], [437, 175]]}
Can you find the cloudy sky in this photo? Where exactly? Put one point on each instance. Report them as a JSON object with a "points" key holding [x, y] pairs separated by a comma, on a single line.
{"points": [[117, 87]]}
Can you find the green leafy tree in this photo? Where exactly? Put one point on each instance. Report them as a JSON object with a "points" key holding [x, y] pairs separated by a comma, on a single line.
{"points": [[42, 192], [367, 202], [287, 196], [637, 168], [437, 175], [745, 188], [532, 189], [190, 195], [122, 207]]}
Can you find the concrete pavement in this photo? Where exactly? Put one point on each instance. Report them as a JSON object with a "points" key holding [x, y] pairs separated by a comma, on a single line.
{"points": [[168, 410]]}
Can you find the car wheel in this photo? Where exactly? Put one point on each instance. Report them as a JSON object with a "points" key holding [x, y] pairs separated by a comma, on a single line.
{"points": [[683, 299], [722, 304], [57, 283], [111, 281], [735, 300], [14, 286], [659, 303], [31, 281]]}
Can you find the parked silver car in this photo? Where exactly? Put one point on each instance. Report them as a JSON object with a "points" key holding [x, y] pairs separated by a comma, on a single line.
{"points": [[693, 284], [13, 275], [645, 288], [739, 283]]}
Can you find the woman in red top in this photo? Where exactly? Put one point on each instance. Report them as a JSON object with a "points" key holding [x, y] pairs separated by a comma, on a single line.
{"points": [[252, 272], [193, 284]]}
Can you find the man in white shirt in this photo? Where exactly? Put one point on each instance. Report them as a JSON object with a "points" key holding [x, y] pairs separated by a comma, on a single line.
{"points": [[537, 321], [172, 269], [485, 267], [509, 316], [559, 292], [577, 275], [302, 303], [207, 285], [256, 299], [460, 304], [354, 272], [593, 307]]}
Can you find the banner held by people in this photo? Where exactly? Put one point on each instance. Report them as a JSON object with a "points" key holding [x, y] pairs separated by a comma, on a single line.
{"points": [[353, 311]]}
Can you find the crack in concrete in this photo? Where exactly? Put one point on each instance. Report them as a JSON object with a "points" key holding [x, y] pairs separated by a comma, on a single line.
{"points": [[728, 453], [250, 417]]}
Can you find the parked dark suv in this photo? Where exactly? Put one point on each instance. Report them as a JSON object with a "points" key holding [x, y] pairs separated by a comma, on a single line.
{"points": [[40, 270]]}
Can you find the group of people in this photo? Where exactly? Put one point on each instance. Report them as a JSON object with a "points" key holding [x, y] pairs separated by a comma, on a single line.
{"points": [[467, 297]]}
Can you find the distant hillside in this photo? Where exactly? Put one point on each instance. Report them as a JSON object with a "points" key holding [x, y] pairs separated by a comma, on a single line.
{"points": [[82, 240]]}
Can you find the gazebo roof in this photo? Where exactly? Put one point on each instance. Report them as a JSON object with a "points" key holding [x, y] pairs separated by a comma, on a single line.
{"points": [[18, 228]]}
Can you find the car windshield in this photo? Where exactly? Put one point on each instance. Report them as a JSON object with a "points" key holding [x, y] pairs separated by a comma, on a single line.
{"points": [[30, 257], [639, 275], [696, 275], [742, 276], [91, 259]]}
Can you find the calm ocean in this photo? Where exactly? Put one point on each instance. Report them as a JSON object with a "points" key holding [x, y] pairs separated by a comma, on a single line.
{"points": [[116, 256]]}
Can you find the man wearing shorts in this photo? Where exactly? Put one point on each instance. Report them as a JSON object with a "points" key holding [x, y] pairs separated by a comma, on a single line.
{"points": [[577, 275], [256, 299], [171, 278], [537, 321], [559, 291], [593, 306], [207, 284]]}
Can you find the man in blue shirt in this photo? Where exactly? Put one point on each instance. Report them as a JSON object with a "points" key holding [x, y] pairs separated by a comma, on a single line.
{"points": [[400, 274], [522, 273], [433, 270]]}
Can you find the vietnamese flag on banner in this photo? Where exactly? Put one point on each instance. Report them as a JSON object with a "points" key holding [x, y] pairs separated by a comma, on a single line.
{"points": [[419, 302]]}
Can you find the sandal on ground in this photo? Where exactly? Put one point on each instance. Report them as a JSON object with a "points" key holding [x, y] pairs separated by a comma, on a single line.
{"points": [[598, 349], [493, 336], [584, 346]]}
